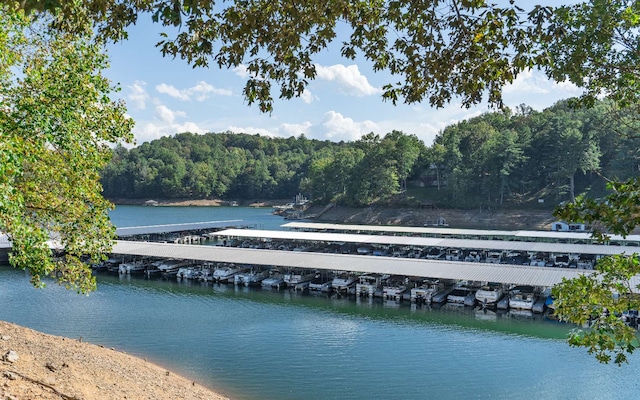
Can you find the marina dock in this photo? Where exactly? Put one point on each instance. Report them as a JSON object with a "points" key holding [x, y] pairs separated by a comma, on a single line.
{"points": [[455, 270]]}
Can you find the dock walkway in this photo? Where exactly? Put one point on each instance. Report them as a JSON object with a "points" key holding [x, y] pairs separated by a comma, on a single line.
{"points": [[503, 273]]}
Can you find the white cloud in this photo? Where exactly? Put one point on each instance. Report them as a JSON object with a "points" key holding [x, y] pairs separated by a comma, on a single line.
{"points": [[241, 71], [288, 130], [251, 130], [534, 89], [172, 91], [336, 127], [138, 95], [166, 122], [153, 130], [307, 97], [165, 114], [200, 92], [349, 78], [528, 82]]}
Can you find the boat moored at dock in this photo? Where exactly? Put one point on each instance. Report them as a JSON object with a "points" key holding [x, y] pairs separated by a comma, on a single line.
{"points": [[488, 295], [344, 282], [522, 297]]}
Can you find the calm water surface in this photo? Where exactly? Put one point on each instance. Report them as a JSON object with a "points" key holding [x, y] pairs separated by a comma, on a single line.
{"points": [[263, 344]]}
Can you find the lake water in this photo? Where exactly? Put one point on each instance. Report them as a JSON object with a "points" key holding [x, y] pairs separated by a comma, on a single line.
{"points": [[263, 344]]}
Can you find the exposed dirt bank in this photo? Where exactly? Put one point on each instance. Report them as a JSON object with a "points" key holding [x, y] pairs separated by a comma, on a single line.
{"points": [[51, 367], [478, 219]]}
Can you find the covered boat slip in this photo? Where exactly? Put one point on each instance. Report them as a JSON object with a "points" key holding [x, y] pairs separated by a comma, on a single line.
{"points": [[442, 232], [171, 228], [501, 273], [383, 240]]}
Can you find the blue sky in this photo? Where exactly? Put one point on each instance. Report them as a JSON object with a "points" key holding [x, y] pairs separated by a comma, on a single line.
{"points": [[166, 96]]}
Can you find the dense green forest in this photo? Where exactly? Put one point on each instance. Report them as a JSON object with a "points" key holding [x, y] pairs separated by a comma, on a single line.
{"points": [[506, 158]]}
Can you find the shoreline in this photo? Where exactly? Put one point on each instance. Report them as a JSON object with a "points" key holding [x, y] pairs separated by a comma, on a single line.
{"points": [[503, 219], [52, 367]]}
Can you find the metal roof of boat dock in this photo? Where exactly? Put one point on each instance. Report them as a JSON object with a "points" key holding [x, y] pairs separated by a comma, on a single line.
{"points": [[169, 228], [544, 247], [443, 231], [511, 274]]}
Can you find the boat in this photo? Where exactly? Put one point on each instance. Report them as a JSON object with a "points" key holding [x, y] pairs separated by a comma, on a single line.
{"points": [[137, 267], [494, 257], [226, 273], [430, 292], [453, 255], [434, 253], [321, 283], [630, 317], [250, 278], [368, 285], [489, 295], [540, 302], [185, 273], [522, 297], [393, 288], [515, 258], [169, 268], [473, 256], [462, 294], [586, 261], [538, 260], [298, 279], [274, 280], [343, 282], [562, 260]]}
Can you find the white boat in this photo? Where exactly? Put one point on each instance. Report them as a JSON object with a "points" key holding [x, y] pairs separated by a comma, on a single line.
{"points": [[132, 267], [274, 280], [453, 255], [473, 256], [494, 257], [253, 277], [427, 291], [368, 285], [538, 260], [227, 273], [522, 297], [343, 282], [489, 295], [563, 260], [298, 277], [586, 261], [192, 272], [393, 289], [321, 283], [170, 267]]}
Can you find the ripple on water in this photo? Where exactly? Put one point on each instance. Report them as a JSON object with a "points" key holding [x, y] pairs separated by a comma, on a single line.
{"points": [[278, 345]]}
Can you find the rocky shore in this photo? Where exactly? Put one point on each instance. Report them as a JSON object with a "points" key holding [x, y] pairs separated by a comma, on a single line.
{"points": [[34, 365]]}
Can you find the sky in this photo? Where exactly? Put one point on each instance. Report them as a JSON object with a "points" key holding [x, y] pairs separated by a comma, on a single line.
{"points": [[166, 96]]}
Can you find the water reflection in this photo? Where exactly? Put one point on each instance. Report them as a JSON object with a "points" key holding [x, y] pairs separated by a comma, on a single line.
{"points": [[512, 321]]}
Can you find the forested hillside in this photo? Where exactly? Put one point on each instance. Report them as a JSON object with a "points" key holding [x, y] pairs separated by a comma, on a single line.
{"points": [[514, 157]]}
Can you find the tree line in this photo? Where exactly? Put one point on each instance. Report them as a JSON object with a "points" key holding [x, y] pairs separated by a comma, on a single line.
{"points": [[510, 157]]}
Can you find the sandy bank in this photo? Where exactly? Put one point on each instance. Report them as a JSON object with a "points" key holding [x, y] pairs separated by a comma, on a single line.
{"points": [[51, 367]]}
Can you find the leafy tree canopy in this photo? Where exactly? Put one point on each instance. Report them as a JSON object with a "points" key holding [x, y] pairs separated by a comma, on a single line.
{"points": [[56, 119], [434, 50]]}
